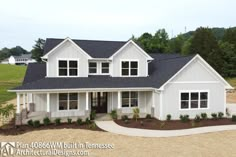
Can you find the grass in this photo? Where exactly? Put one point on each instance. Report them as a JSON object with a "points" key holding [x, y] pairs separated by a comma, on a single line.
{"points": [[10, 77], [232, 81]]}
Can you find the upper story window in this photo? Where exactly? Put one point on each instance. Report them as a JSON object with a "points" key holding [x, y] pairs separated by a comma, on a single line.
{"points": [[193, 100], [105, 68], [92, 67], [68, 68], [129, 68]]}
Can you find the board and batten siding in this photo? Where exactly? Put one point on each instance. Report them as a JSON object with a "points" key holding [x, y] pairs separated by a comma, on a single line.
{"points": [[196, 77], [67, 51], [130, 52]]}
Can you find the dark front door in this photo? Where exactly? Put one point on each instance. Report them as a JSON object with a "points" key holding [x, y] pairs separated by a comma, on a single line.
{"points": [[99, 102]]}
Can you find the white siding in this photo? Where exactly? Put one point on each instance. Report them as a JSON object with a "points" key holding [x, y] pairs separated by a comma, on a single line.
{"points": [[68, 51], [129, 52], [40, 102]]}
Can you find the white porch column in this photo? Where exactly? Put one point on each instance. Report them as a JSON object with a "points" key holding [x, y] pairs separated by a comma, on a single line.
{"points": [[18, 103], [87, 100], [24, 105], [119, 100], [153, 99], [48, 102]]}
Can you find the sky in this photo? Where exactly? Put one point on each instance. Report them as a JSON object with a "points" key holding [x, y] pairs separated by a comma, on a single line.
{"points": [[24, 21]]}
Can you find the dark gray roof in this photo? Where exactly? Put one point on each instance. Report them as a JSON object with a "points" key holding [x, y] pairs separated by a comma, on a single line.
{"points": [[161, 69], [95, 48]]}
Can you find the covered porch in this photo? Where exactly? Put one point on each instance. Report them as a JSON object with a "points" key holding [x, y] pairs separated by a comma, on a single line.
{"points": [[36, 105]]}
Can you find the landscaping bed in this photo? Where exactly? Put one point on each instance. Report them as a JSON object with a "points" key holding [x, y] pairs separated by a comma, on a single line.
{"points": [[154, 124], [11, 129]]}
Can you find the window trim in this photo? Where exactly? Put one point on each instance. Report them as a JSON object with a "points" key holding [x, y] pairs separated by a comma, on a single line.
{"points": [[199, 99], [68, 66], [68, 101], [101, 73], [129, 60], [96, 68], [129, 100]]}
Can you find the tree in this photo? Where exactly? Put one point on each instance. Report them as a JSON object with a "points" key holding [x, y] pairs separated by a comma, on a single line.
{"points": [[37, 51], [175, 45], [159, 42], [205, 44], [145, 40]]}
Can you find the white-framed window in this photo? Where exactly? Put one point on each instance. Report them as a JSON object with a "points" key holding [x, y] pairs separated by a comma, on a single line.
{"points": [[68, 101], [129, 99], [67, 67], [129, 68], [194, 100], [93, 67], [104, 68]]}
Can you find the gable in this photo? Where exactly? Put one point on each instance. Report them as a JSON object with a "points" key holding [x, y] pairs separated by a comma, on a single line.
{"points": [[197, 71]]}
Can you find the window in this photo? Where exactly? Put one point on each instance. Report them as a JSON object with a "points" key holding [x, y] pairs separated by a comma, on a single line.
{"points": [[129, 68], [92, 67], [193, 100], [68, 68], [105, 68], [68, 101], [129, 99]]}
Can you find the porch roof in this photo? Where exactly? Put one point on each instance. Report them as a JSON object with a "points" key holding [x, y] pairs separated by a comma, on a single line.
{"points": [[160, 70]]}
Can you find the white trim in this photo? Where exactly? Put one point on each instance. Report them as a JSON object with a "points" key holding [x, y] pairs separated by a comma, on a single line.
{"points": [[18, 103], [153, 99], [96, 68], [68, 66], [87, 101], [48, 102], [189, 101], [47, 68], [186, 82], [101, 73], [161, 101], [24, 105], [119, 100], [85, 89], [225, 101], [126, 44], [228, 86], [129, 60], [73, 43]]}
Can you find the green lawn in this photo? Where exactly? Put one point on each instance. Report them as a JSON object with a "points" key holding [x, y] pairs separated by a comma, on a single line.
{"points": [[10, 77], [232, 81]]}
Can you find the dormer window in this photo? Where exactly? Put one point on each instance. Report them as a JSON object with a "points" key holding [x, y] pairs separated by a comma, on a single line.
{"points": [[105, 68], [129, 68], [92, 67], [67, 68]]}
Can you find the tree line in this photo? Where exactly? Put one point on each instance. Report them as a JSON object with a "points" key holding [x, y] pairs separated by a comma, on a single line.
{"points": [[216, 45]]}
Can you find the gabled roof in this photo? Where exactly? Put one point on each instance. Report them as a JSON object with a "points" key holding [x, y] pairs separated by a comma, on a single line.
{"points": [[94, 48], [161, 69]]}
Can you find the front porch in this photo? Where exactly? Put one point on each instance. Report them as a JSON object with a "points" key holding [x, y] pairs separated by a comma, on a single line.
{"points": [[78, 104]]}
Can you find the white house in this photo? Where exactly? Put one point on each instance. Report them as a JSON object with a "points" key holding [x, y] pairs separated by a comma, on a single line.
{"points": [[19, 60], [78, 76]]}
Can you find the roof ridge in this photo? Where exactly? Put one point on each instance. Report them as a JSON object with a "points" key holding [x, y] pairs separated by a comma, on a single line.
{"points": [[89, 40], [176, 57]]}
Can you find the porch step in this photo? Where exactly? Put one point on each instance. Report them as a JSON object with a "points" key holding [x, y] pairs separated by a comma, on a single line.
{"points": [[103, 117]]}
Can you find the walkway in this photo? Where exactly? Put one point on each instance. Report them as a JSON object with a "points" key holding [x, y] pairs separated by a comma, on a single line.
{"points": [[112, 127]]}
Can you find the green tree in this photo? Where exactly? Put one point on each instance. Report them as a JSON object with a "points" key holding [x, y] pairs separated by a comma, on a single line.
{"points": [[145, 40], [37, 51], [205, 44], [175, 45], [159, 42]]}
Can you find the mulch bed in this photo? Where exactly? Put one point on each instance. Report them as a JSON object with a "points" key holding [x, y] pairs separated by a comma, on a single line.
{"points": [[155, 124], [11, 129]]}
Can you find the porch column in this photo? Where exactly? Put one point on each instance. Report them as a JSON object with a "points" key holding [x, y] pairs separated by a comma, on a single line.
{"points": [[18, 103], [24, 106], [119, 100], [87, 101], [48, 102]]}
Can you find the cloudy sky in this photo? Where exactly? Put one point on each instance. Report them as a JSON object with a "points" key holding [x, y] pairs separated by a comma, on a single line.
{"points": [[23, 21]]}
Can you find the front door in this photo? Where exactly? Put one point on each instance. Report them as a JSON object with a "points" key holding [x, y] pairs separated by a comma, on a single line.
{"points": [[99, 102]]}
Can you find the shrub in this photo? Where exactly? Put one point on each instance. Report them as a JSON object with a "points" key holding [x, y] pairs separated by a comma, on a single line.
{"points": [[162, 125], [220, 115], [79, 121], [124, 117], [234, 118], [113, 114], [227, 112], [148, 116], [197, 119], [57, 121], [204, 115], [46, 121], [136, 113], [92, 126], [87, 121], [36, 123], [69, 120], [184, 118], [168, 117], [214, 116], [141, 122], [30, 122], [93, 115]]}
